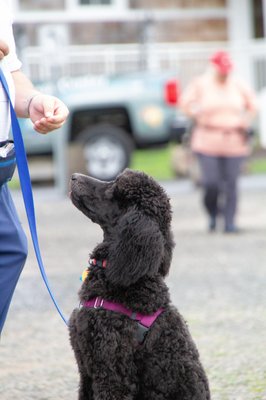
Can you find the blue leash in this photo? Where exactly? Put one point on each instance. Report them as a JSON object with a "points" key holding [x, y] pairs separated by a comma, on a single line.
{"points": [[25, 182]]}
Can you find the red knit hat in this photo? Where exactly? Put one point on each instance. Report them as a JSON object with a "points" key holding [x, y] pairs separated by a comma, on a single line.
{"points": [[222, 61]]}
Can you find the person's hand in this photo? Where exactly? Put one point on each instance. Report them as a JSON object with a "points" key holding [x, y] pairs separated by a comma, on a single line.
{"points": [[47, 112], [246, 122], [4, 49]]}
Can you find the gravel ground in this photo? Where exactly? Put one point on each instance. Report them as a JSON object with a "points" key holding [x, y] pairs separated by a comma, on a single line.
{"points": [[217, 281]]}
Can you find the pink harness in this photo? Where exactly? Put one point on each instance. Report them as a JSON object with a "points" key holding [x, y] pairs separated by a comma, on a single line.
{"points": [[144, 321]]}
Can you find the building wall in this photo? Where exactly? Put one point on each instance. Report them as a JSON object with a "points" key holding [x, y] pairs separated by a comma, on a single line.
{"points": [[144, 21], [191, 31], [41, 5], [134, 4], [116, 32], [104, 33], [176, 3]]}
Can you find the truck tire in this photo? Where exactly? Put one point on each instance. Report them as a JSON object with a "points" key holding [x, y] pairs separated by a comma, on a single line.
{"points": [[107, 150]]}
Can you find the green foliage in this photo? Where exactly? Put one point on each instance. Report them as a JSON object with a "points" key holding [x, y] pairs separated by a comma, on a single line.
{"points": [[14, 183], [155, 162], [257, 166]]}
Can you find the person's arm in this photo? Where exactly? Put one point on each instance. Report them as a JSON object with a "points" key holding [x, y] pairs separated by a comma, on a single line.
{"points": [[190, 100], [4, 49], [46, 112], [251, 105]]}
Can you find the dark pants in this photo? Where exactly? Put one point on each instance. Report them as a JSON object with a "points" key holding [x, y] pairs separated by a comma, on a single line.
{"points": [[219, 179], [13, 251]]}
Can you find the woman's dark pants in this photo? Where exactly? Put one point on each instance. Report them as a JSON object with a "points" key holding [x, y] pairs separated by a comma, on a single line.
{"points": [[219, 180], [13, 251]]}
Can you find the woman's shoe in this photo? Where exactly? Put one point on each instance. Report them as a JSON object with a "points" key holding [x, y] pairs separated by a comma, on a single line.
{"points": [[231, 229], [212, 224]]}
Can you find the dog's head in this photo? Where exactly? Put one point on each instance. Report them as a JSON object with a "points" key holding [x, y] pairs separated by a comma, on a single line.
{"points": [[135, 215]]}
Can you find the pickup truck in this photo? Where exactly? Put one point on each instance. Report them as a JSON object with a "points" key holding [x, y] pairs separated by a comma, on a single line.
{"points": [[112, 115]]}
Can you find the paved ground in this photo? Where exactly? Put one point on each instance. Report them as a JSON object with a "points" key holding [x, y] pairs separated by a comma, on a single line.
{"points": [[217, 281]]}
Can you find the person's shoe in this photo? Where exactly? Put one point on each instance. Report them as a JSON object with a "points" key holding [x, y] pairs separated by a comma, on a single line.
{"points": [[231, 229], [212, 224]]}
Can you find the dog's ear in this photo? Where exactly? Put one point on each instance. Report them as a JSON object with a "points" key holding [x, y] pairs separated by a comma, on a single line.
{"points": [[168, 252], [136, 249]]}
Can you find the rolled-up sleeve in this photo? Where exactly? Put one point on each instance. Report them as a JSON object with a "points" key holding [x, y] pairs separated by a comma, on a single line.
{"points": [[9, 64], [6, 34]]}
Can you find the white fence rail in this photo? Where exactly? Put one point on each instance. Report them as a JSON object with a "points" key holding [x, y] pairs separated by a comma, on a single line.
{"points": [[185, 59]]}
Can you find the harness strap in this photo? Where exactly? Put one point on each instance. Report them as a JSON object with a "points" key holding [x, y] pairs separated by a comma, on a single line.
{"points": [[144, 321]]}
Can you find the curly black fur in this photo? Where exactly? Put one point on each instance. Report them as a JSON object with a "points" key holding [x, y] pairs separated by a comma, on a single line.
{"points": [[135, 215]]}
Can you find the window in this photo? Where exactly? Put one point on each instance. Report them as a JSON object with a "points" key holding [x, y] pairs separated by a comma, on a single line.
{"points": [[30, 5], [258, 15], [95, 2]]}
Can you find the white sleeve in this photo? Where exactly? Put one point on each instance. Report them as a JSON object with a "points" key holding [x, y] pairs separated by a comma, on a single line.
{"points": [[9, 64], [6, 34]]}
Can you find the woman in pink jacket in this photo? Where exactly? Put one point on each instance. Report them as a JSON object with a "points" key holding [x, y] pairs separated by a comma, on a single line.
{"points": [[223, 109]]}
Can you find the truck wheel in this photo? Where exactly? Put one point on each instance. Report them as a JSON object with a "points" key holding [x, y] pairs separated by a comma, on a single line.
{"points": [[107, 150]]}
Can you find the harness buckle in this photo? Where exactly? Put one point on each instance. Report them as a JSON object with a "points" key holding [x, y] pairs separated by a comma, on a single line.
{"points": [[141, 332], [98, 302]]}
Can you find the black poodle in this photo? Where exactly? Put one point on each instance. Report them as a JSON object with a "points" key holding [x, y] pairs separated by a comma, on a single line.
{"points": [[130, 342]]}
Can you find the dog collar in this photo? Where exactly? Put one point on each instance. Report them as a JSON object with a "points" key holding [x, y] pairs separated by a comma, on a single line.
{"points": [[92, 262], [99, 263]]}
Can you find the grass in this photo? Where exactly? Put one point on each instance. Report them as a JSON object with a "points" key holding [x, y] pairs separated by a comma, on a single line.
{"points": [[257, 166], [14, 184], [155, 162]]}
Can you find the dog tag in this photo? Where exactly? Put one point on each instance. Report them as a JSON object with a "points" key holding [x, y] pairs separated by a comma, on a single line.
{"points": [[84, 275]]}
